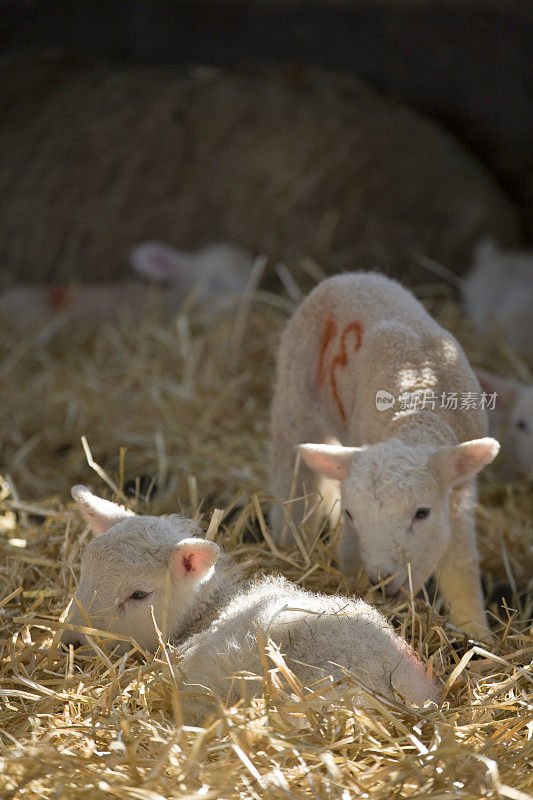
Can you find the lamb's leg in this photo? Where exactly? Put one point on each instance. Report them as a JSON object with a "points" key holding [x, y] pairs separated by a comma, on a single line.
{"points": [[461, 589], [282, 463], [458, 576], [285, 483], [347, 551]]}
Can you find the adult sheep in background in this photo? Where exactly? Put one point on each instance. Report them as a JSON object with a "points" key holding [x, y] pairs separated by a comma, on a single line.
{"points": [[326, 169], [406, 473]]}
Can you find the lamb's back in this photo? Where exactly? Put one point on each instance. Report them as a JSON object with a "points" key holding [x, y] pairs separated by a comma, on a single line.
{"points": [[357, 334], [368, 297], [321, 637], [338, 317]]}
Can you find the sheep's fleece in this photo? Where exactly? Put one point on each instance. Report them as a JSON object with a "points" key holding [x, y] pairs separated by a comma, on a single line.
{"points": [[406, 474], [201, 602]]}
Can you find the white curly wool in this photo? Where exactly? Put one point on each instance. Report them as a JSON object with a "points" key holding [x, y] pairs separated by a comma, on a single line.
{"points": [[406, 475], [202, 604]]}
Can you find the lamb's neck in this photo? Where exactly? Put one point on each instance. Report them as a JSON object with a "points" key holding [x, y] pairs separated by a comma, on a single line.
{"points": [[421, 427], [210, 597]]}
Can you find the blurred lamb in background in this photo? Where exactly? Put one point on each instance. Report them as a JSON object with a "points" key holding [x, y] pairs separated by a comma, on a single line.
{"points": [[215, 276], [498, 294], [511, 422], [217, 272]]}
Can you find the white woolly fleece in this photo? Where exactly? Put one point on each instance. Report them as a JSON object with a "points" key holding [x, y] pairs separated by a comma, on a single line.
{"points": [[214, 617], [356, 335]]}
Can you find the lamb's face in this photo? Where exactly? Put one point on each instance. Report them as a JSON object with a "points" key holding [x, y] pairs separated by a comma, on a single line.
{"points": [[139, 567], [512, 419], [399, 512], [518, 449], [397, 499], [226, 270], [117, 590]]}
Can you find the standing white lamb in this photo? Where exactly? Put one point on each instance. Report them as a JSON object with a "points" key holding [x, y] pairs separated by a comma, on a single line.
{"points": [[201, 603], [406, 473]]}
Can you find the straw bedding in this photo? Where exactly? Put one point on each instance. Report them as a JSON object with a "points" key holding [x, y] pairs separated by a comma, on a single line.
{"points": [[176, 417]]}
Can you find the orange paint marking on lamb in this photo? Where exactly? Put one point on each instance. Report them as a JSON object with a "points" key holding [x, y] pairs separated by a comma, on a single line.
{"points": [[330, 331], [59, 297], [341, 360]]}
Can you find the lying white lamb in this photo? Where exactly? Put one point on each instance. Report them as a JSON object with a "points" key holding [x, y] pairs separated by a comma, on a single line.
{"points": [[511, 422], [203, 604], [406, 473], [217, 273]]}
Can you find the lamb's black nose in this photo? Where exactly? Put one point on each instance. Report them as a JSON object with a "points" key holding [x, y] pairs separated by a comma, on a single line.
{"points": [[69, 638]]}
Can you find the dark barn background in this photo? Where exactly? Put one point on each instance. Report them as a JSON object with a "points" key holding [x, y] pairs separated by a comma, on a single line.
{"points": [[466, 65]]}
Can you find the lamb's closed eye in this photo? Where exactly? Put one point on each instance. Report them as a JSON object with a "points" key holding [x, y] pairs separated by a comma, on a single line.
{"points": [[140, 594]]}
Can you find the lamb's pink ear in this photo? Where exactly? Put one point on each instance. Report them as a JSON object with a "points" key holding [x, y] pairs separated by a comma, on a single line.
{"points": [[331, 460], [159, 262], [192, 558], [99, 514], [463, 461], [506, 390]]}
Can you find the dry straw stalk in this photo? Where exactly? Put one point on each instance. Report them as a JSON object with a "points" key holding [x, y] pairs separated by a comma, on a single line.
{"points": [[185, 405]]}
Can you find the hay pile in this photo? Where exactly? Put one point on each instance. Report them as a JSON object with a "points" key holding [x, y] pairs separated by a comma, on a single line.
{"points": [[290, 164], [176, 417]]}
